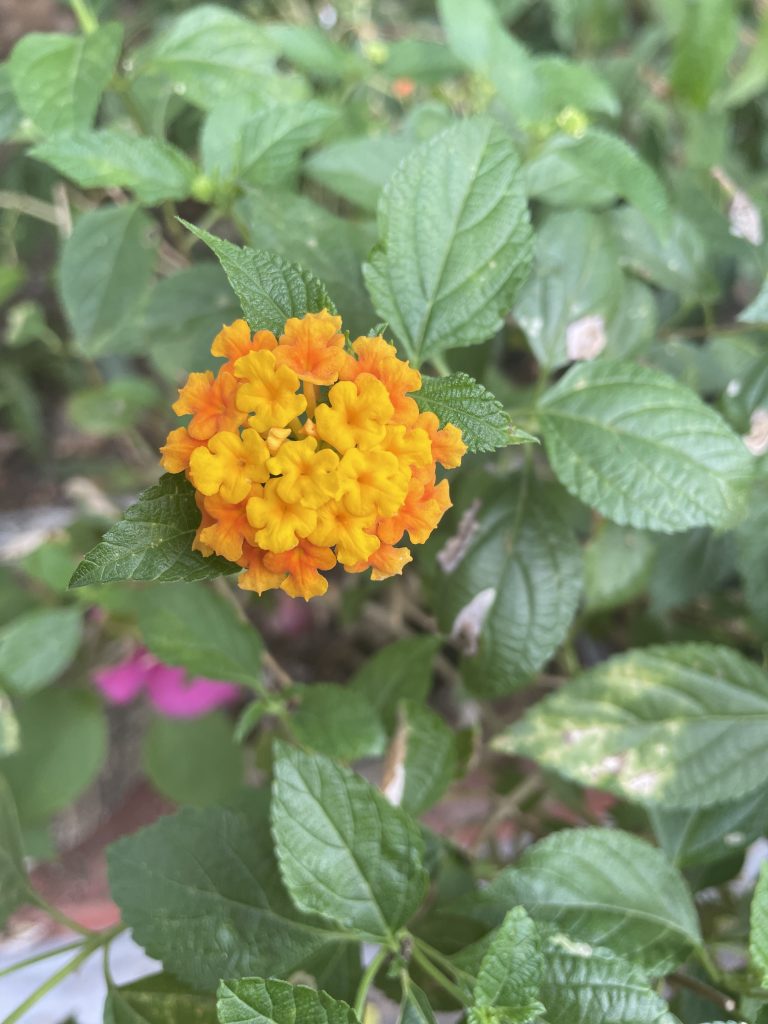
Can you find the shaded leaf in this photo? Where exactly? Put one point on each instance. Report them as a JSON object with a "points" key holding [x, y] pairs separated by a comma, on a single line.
{"points": [[38, 646], [153, 541], [455, 240], [344, 852], [14, 889], [398, 671], [338, 721], [260, 1001], [645, 724], [193, 760], [158, 999]]}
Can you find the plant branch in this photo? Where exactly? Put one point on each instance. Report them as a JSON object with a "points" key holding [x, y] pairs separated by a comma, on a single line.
{"points": [[703, 989], [30, 206], [437, 975], [373, 968]]}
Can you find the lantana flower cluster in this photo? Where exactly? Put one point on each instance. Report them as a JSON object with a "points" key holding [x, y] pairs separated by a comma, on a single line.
{"points": [[304, 454]]}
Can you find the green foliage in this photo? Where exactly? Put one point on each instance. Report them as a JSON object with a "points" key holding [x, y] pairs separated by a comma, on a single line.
{"points": [[643, 450], [344, 852], [201, 891], [13, 878], [462, 401], [643, 724], [604, 887], [193, 761], [58, 79], [454, 241], [158, 999], [153, 541], [37, 647], [105, 265], [152, 169], [509, 588], [260, 1001], [270, 288], [557, 211]]}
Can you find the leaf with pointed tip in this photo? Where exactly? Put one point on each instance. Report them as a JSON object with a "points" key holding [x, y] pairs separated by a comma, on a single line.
{"points": [[645, 724], [153, 541], [415, 1008], [260, 1001], [606, 887], [270, 288], [643, 449], [158, 999], [510, 973], [455, 240], [464, 402], [201, 891], [344, 852]]}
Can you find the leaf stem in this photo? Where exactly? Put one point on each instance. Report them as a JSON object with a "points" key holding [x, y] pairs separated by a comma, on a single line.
{"points": [[28, 205], [440, 365], [86, 19], [50, 983], [441, 959], [703, 989], [373, 968], [437, 975], [39, 957]]}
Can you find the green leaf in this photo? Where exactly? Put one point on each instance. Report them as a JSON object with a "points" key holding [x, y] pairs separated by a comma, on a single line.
{"points": [[462, 401], [455, 240], [58, 79], [158, 999], [63, 745], [14, 888], [534, 88], [576, 275], [201, 631], [642, 449], [151, 168], [10, 115], [689, 564], [758, 935], [399, 671], [344, 852], [184, 313], [113, 407], [617, 566], [338, 721], [757, 311], [358, 169], [713, 834], [313, 51], [106, 267], [508, 585], [510, 973], [605, 163], [703, 48], [752, 559], [38, 646], [194, 760], [299, 230], [153, 541], [260, 1001], [430, 757], [201, 891], [261, 147], [270, 288], [675, 725], [582, 984], [205, 55], [605, 887], [415, 1008], [9, 727]]}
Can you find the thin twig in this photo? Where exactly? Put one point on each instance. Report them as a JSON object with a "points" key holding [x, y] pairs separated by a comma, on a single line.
{"points": [[30, 206], [703, 989]]}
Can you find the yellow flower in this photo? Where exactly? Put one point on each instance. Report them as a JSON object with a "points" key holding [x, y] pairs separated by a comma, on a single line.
{"points": [[357, 414], [372, 482], [279, 525], [411, 445], [230, 465], [178, 449], [337, 525], [210, 402], [270, 394], [306, 475]]}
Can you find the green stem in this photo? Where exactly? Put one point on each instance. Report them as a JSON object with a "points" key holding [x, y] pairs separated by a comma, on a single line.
{"points": [[86, 19], [441, 959], [437, 976], [373, 968], [21, 964], [709, 964], [440, 365], [51, 983]]}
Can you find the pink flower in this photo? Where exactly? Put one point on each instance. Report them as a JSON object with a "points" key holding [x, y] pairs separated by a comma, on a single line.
{"points": [[169, 689]]}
